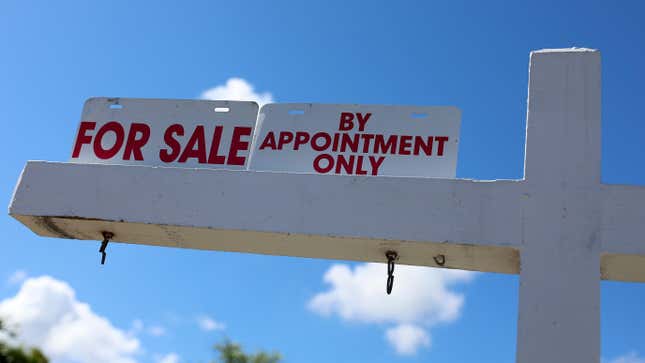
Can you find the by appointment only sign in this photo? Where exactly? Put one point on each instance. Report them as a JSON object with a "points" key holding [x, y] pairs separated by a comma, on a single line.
{"points": [[298, 138], [357, 140]]}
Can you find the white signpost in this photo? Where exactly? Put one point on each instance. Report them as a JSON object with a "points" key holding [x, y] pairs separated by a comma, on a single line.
{"points": [[560, 228], [357, 140]]}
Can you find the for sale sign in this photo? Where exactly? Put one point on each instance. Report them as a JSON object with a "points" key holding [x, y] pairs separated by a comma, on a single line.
{"points": [[180, 133], [357, 140]]}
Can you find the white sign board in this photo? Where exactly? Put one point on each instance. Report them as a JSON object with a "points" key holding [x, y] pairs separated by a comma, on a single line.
{"points": [[357, 140], [179, 133]]}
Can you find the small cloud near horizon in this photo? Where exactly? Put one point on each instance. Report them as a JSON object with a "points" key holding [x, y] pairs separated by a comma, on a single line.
{"points": [[206, 323], [237, 89], [631, 357], [17, 277], [168, 358]]}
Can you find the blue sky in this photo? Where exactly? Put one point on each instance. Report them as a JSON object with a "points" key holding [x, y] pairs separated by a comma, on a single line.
{"points": [[473, 55]]}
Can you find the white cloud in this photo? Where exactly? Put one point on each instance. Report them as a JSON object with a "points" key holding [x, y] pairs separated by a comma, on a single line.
{"points": [[631, 357], [17, 277], [136, 328], [46, 313], [207, 323], [156, 330], [422, 297], [237, 89], [168, 358], [421, 294], [407, 338]]}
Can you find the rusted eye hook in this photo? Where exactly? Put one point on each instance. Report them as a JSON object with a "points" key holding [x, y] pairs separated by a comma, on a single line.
{"points": [[107, 236], [391, 257]]}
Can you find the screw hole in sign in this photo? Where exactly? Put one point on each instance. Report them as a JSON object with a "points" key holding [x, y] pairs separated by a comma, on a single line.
{"points": [[296, 112], [115, 106], [418, 115], [222, 109]]}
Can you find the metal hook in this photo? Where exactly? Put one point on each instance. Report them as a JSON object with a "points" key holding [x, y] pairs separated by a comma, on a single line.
{"points": [[107, 236], [391, 257], [440, 260]]}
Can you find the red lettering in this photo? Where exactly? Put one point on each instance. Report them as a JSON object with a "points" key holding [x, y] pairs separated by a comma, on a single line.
{"points": [[317, 136], [367, 138], [440, 140], [347, 164], [351, 141], [213, 154], [380, 146], [196, 147], [362, 120], [285, 138], [318, 160], [334, 147], [419, 143], [359, 166], [269, 141], [133, 145], [175, 147], [115, 127], [346, 123], [301, 139], [238, 145], [405, 144], [81, 138], [376, 163]]}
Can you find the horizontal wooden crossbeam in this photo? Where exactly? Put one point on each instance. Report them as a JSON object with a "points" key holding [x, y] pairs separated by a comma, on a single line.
{"points": [[337, 217]]}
